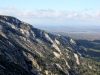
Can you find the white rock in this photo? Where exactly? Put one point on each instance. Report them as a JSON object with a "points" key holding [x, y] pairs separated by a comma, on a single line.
{"points": [[67, 64], [46, 72], [59, 66], [3, 34], [77, 59], [48, 38], [58, 35], [13, 26], [90, 67], [56, 47], [56, 54], [57, 41], [72, 41], [39, 53]]}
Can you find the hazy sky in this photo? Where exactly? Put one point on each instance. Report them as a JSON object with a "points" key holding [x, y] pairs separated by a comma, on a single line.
{"points": [[53, 12]]}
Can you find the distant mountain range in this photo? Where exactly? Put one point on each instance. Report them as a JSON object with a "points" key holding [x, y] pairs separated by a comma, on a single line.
{"points": [[25, 50]]}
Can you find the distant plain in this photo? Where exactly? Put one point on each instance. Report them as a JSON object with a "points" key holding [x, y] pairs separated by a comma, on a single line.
{"points": [[75, 32]]}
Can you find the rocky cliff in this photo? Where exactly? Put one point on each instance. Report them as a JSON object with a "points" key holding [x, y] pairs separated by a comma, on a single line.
{"points": [[25, 50]]}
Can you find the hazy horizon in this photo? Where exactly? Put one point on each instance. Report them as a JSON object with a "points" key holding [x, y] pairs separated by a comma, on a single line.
{"points": [[53, 12]]}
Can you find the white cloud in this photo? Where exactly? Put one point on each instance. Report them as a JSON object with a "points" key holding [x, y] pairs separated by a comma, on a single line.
{"points": [[85, 15], [97, 13], [8, 11], [50, 16]]}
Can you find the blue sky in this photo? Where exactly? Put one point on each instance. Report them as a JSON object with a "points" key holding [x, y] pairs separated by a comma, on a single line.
{"points": [[53, 12]]}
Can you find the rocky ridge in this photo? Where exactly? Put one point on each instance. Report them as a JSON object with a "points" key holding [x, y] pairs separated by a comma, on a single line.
{"points": [[25, 50]]}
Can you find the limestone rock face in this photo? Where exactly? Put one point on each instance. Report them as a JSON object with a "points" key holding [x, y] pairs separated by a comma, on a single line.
{"points": [[25, 50]]}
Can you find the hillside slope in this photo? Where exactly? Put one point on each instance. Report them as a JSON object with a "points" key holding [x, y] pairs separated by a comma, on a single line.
{"points": [[26, 50]]}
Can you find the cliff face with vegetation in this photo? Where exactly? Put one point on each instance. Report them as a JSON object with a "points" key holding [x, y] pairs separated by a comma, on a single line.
{"points": [[25, 50]]}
